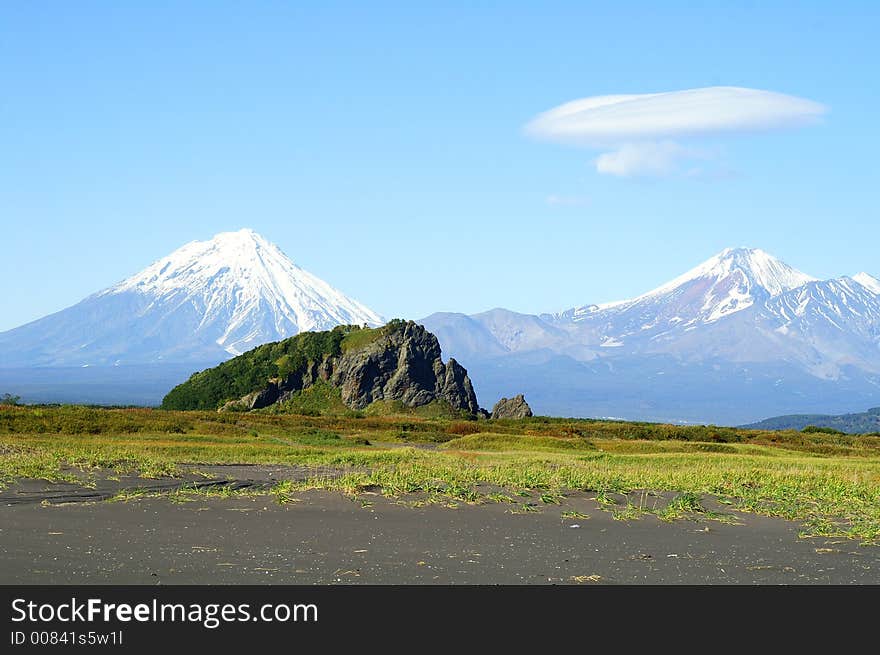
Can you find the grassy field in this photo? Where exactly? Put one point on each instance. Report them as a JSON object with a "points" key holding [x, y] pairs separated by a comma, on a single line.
{"points": [[831, 482]]}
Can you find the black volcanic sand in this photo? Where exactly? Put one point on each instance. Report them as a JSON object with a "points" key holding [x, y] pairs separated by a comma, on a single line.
{"points": [[235, 477], [327, 538]]}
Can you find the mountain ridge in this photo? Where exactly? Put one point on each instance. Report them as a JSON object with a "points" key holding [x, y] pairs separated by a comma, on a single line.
{"points": [[739, 336], [733, 284], [742, 311], [867, 422]]}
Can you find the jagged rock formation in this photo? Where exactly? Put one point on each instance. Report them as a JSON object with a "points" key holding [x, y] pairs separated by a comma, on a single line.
{"points": [[515, 407], [402, 365], [398, 362]]}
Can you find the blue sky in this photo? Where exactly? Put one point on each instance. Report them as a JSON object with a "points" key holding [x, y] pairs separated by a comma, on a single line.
{"points": [[382, 145]]}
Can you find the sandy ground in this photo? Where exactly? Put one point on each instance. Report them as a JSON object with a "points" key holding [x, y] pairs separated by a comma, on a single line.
{"points": [[61, 533]]}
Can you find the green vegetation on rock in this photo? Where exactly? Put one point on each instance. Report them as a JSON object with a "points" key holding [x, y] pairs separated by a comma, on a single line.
{"points": [[398, 365], [358, 339], [320, 399], [251, 371], [434, 409]]}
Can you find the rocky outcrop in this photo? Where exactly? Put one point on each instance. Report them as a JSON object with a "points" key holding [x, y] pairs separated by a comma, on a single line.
{"points": [[402, 363], [256, 399], [515, 407]]}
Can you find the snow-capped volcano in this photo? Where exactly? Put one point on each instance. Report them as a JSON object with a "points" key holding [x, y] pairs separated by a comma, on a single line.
{"points": [[204, 302], [731, 281], [247, 289], [740, 332]]}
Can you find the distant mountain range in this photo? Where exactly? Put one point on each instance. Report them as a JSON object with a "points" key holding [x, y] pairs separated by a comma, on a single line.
{"points": [[203, 303], [859, 423], [739, 337]]}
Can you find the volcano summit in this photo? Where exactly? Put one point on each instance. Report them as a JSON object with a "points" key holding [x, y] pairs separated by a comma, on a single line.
{"points": [[205, 302]]}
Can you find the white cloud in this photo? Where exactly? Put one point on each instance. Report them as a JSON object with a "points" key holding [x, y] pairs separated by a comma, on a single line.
{"points": [[643, 159], [638, 129]]}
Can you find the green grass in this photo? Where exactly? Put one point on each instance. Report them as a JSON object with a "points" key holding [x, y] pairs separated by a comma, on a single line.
{"points": [[360, 339], [320, 399], [487, 441], [830, 482], [437, 409]]}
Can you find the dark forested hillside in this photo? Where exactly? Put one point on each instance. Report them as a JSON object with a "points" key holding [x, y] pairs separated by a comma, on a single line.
{"points": [[860, 423]]}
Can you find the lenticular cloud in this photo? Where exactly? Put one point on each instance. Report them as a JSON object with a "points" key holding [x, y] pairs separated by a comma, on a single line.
{"points": [[640, 132], [611, 121]]}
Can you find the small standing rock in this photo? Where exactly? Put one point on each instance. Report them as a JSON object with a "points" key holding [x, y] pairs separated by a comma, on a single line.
{"points": [[515, 407]]}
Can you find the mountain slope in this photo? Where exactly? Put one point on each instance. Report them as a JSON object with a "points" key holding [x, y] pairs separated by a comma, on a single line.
{"points": [[463, 335], [737, 334], [870, 282], [499, 332], [202, 303], [742, 305], [826, 325], [728, 283], [857, 423]]}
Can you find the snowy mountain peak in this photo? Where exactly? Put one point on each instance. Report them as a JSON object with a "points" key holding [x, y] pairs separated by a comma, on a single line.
{"points": [[243, 252], [754, 269], [868, 281], [739, 330], [247, 289], [731, 281], [203, 302]]}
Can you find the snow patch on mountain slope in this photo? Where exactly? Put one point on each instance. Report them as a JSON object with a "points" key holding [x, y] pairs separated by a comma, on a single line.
{"points": [[868, 281], [842, 303]]}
